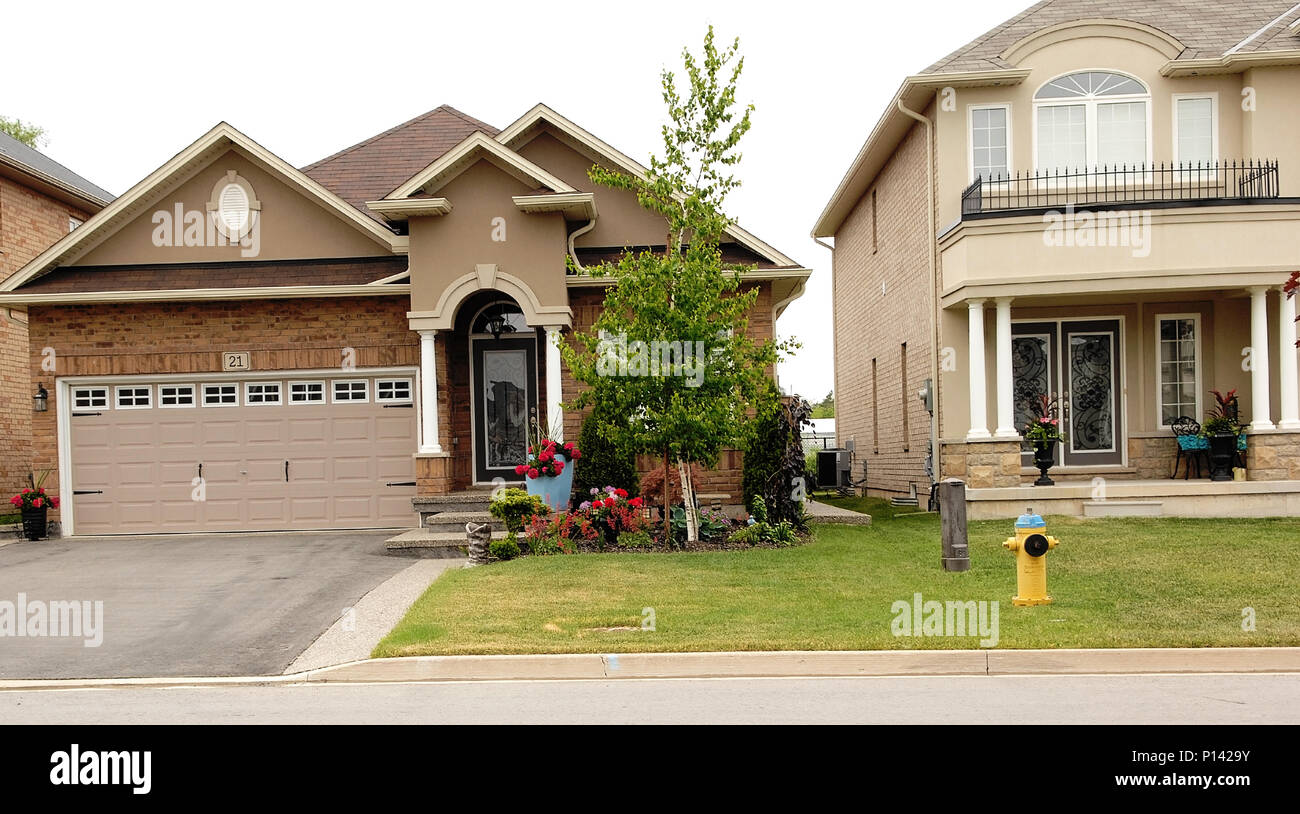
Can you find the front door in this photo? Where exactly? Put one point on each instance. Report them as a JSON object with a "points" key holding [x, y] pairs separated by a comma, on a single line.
{"points": [[1079, 360], [505, 399]]}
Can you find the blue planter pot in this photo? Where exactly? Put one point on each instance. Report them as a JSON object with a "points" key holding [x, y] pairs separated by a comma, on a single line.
{"points": [[554, 491]]}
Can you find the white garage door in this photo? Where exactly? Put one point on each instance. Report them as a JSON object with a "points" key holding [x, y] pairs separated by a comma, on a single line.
{"points": [[292, 453]]}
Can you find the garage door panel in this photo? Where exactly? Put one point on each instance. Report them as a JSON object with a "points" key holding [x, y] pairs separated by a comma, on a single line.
{"points": [[340, 456]]}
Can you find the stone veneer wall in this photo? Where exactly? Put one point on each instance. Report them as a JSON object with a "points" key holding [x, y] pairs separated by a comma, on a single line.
{"points": [[982, 464], [1273, 456]]}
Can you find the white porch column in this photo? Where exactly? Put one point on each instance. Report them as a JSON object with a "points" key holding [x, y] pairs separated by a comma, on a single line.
{"points": [[554, 383], [979, 418], [1261, 418], [428, 394], [1287, 363], [1006, 390]]}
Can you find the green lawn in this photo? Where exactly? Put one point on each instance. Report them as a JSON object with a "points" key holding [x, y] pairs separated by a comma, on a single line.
{"points": [[1116, 582]]}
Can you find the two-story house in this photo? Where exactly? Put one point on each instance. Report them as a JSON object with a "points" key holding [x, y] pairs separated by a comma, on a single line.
{"points": [[245, 345], [1099, 200], [41, 201]]}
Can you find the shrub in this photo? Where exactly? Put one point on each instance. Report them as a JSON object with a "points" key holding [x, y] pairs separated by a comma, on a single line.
{"points": [[652, 484], [562, 532], [605, 462], [636, 540], [513, 506], [749, 535], [611, 512], [714, 524], [775, 462], [506, 548]]}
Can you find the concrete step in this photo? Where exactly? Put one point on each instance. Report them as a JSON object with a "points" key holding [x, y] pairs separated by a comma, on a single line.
{"points": [[1123, 508], [426, 543], [455, 521], [473, 500]]}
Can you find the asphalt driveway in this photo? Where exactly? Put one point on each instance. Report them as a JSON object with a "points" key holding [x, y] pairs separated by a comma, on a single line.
{"points": [[195, 605]]}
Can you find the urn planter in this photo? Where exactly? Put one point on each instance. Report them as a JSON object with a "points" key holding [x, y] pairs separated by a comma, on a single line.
{"points": [[1223, 454], [1044, 459], [554, 490], [34, 523]]}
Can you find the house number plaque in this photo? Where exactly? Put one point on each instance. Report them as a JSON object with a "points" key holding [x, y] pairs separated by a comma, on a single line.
{"points": [[234, 361]]}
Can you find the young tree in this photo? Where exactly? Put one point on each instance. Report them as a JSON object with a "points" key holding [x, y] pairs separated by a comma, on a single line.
{"points": [[30, 134], [677, 361]]}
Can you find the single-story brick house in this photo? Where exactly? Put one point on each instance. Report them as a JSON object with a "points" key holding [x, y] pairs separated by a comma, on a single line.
{"points": [[243, 345], [40, 201]]}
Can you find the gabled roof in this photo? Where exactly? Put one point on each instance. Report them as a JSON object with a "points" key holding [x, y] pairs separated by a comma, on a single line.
{"points": [[474, 147], [375, 167], [540, 116], [45, 170], [134, 201]]}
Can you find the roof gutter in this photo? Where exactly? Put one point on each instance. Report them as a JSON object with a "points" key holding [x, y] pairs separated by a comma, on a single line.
{"points": [[931, 243]]}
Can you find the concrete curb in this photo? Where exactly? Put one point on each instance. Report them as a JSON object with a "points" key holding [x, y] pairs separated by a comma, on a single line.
{"points": [[782, 664]]}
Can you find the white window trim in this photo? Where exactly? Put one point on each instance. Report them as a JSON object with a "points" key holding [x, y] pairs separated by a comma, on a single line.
{"points": [[334, 399], [194, 397], [203, 397], [73, 223], [108, 398], [279, 392], [1089, 115], [410, 389], [970, 137], [1213, 96], [324, 392], [117, 391], [1160, 405]]}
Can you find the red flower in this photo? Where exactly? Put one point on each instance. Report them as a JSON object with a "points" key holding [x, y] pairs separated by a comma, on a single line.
{"points": [[621, 492], [519, 470], [576, 454], [635, 502], [559, 467], [38, 502], [54, 501], [27, 491], [532, 473], [17, 500]]}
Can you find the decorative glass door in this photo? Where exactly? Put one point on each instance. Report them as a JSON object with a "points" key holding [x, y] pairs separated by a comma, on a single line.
{"points": [[1080, 362], [505, 399]]}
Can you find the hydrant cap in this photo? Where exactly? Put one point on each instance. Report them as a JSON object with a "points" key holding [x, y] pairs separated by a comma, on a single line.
{"points": [[1029, 520]]}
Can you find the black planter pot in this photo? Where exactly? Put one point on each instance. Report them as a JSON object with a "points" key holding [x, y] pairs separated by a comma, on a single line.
{"points": [[1044, 459], [34, 524], [1223, 454]]}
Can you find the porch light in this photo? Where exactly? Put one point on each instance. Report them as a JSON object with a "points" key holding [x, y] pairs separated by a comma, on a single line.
{"points": [[41, 401], [496, 326]]}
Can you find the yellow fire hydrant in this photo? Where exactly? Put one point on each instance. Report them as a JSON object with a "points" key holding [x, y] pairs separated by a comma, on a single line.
{"points": [[1031, 545]]}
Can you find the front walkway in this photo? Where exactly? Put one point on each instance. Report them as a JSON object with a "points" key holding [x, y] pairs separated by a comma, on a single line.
{"points": [[1161, 497], [825, 513]]}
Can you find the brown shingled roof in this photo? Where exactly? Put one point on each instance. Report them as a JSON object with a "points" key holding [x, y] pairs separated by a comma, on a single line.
{"points": [[375, 167], [1207, 29]]}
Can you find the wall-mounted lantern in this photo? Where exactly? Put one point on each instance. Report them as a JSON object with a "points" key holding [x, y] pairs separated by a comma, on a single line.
{"points": [[41, 401]]}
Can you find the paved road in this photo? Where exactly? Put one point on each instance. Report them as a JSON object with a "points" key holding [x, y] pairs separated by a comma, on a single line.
{"points": [[971, 699], [199, 605]]}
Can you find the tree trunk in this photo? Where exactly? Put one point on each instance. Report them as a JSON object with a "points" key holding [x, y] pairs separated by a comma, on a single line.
{"points": [[668, 499], [688, 499]]}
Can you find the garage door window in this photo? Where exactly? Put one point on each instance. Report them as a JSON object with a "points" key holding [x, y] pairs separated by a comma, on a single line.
{"points": [[220, 395], [175, 395], [262, 393], [352, 390], [89, 397], [390, 391], [134, 398], [306, 392]]}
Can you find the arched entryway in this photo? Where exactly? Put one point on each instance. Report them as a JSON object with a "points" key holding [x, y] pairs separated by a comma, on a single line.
{"points": [[503, 388]]}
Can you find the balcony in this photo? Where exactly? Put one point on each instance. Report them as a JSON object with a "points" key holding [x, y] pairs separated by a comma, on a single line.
{"points": [[1154, 186]]}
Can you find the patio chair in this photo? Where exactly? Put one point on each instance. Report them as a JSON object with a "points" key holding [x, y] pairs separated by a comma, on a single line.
{"points": [[1187, 432]]}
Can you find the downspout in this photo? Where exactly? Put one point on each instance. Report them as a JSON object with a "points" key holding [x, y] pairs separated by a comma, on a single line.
{"points": [[577, 233], [931, 239]]}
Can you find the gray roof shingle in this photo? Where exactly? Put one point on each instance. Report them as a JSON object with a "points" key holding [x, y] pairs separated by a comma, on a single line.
{"points": [[19, 153]]}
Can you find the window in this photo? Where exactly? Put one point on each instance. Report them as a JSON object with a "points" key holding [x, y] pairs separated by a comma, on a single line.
{"points": [[875, 412], [352, 390], [175, 395], [306, 392], [87, 398], [1195, 134], [262, 393], [1092, 119], [220, 395], [907, 434], [1178, 337], [990, 142], [502, 316], [73, 223], [390, 390], [874, 242], [134, 397]]}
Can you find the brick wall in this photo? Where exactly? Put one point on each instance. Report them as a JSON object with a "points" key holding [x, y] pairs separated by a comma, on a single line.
{"points": [[874, 324], [29, 224], [136, 338]]}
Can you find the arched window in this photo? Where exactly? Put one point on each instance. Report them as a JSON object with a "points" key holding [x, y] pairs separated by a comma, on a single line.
{"points": [[500, 317], [1091, 119]]}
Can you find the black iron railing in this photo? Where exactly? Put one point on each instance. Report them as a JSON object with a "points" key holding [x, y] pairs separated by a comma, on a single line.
{"points": [[1124, 185]]}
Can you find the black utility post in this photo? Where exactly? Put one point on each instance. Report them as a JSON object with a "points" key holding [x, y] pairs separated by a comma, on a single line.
{"points": [[952, 517]]}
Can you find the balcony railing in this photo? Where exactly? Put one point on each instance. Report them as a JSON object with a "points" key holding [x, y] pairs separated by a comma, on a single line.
{"points": [[1235, 181]]}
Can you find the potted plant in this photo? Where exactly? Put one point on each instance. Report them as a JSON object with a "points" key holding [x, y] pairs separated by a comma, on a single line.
{"points": [[1043, 432], [548, 473], [34, 505], [1223, 432]]}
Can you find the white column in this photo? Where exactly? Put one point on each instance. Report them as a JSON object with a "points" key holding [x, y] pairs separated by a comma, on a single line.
{"points": [[1286, 350], [554, 383], [1006, 389], [1261, 418], [428, 393], [979, 418]]}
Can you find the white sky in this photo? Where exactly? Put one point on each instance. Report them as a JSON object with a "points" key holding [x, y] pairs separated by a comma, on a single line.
{"points": [[123, 87]]}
